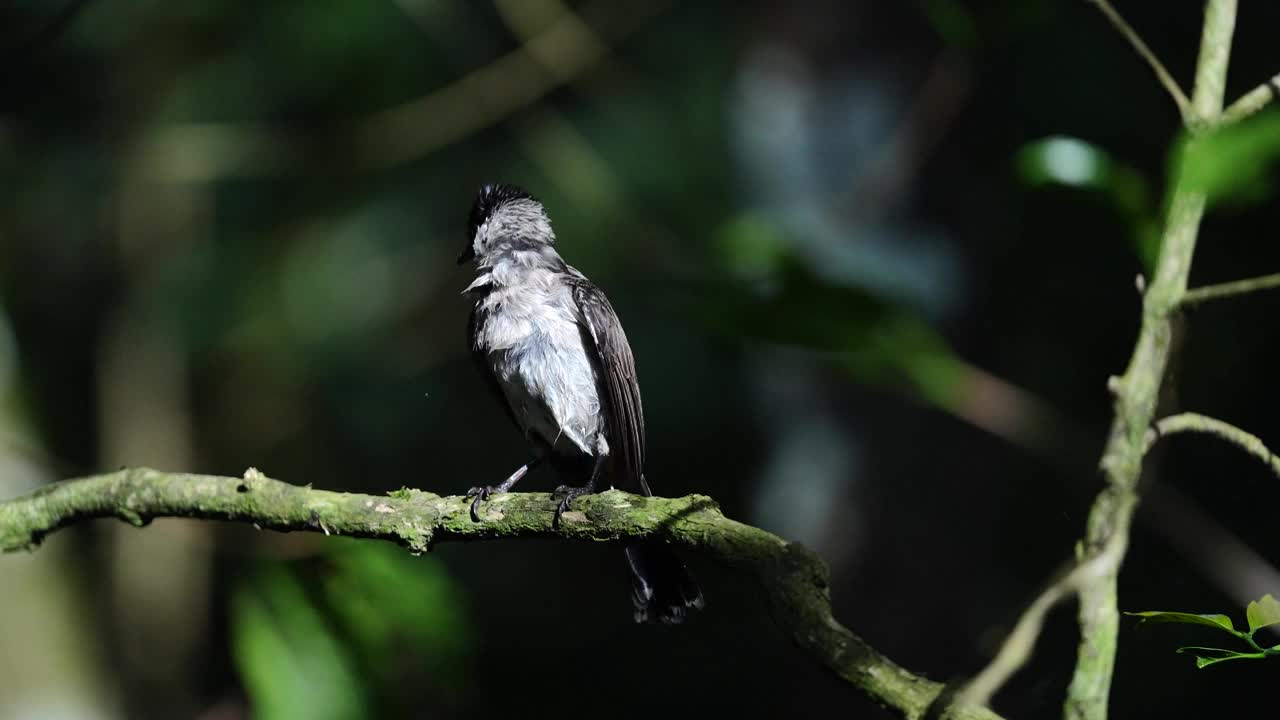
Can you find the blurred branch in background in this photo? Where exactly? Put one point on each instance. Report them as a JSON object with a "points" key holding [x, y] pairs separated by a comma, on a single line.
{"points": [[204, 152], [49, 670], [22, 51], [794, 579], [925, 123]]}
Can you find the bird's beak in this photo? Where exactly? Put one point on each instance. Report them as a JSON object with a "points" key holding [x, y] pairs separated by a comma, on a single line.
{"points": [[469, 253]]}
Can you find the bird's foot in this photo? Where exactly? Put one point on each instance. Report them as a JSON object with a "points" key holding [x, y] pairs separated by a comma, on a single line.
{"points": [[480, 493], [567, 494], [483, 492]]}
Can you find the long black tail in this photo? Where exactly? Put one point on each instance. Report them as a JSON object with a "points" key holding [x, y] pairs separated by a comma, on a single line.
{"points": [[661, 588]]}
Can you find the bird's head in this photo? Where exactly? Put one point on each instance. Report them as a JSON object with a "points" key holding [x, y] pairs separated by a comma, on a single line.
{"points": [[505, 217]]}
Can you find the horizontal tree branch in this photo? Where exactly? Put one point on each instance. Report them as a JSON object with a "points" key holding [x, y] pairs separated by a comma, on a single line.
{"points": [[1235, 288], [793, 578], [1252, 101], [1195, 422]]}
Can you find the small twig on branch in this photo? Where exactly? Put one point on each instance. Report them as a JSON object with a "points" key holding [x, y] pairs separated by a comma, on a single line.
{"points": [[1230, 289], [1194, 422], [1162, 74], [793, 578], [1252, 101]]}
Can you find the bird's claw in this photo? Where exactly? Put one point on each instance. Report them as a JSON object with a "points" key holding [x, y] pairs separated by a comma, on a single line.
{"points": [[480, 493], [567, 495]]}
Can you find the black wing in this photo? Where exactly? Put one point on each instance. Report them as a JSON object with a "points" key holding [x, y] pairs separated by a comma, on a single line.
{"points": [[619, 390]]}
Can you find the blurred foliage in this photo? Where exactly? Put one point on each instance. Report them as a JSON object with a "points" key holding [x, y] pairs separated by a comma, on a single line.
{"points": [[339, 636], [897, 194], [780, 299], [1071, 162], [1233, 165]]}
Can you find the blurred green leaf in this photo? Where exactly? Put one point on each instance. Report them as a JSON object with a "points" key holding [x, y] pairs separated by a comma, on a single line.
{"points": [[1070, 162], [1065, 161], [750, 246], [952, 21], [397, 607], [287, 656], [1221, 622], [1231, 163], [357, 632], [878, 341], [1263, 612]]}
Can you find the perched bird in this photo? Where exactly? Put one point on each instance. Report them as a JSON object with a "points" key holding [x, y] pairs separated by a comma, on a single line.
{"points": [[553, 352]]}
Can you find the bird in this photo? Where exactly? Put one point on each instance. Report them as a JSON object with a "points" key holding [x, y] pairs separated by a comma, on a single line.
{"points": [[552, 351]]}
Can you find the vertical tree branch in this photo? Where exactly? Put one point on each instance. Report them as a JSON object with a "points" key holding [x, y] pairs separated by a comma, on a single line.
{"points": [[1136, 393]]}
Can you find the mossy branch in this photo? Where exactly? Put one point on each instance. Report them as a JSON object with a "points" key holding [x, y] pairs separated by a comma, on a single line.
{"points": [[793, 578], [1137, 393]]}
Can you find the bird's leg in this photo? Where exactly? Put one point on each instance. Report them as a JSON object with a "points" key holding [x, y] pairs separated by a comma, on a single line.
{"points": [[483, 492], [568, 493]]}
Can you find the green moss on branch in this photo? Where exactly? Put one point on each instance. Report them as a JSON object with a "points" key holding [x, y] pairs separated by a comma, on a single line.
{"points": [[793, 578]]}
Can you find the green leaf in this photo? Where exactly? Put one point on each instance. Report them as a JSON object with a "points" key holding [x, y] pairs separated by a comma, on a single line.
{"points": [[290, 662], [1061, 160], [1231, 163], [399, 609], [1263, 612], [952, 21], [1221, 622], [750, 247], [1206, 656]]}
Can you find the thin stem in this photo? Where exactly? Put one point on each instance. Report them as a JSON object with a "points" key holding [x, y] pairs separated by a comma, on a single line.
{"points": [[1016, 649], [1252, 101], [1162, 74], [1230, 289], [1194, 422]]}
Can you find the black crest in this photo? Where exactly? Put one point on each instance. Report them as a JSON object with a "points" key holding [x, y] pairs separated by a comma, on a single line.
{"points": [[489, 199]]}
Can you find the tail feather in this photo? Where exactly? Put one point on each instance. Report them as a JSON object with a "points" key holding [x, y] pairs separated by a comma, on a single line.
{"points": [[661, 587]]}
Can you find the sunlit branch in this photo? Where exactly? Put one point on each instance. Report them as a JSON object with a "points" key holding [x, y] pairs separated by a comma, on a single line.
{"points": [[792, 578]]}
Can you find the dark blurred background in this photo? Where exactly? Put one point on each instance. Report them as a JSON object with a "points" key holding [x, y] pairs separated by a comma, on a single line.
{"points": [[876, 261]]}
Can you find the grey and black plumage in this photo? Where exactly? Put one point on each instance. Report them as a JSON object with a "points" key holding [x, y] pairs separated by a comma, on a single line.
{"points": [[553, 352]]}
